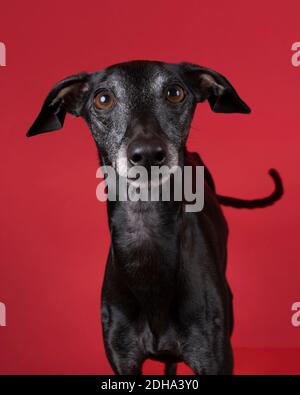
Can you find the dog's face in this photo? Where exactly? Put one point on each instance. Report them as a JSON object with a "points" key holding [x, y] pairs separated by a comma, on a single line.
{"points": [[139, 112]]}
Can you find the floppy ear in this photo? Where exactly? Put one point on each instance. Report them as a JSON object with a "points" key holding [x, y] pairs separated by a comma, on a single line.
{"points": [[208, 84], [67, 96]]}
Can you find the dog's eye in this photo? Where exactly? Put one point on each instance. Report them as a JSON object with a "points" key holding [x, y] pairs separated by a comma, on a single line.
{"points": [[104, 100], [175, 94]]}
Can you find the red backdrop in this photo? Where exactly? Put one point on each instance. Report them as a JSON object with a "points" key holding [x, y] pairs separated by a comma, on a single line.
{"points": [[54, 234]]}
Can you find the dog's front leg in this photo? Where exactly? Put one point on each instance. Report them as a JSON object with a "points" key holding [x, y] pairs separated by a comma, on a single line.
{"points": [[131, 364], [205, 359], [122, 346]]}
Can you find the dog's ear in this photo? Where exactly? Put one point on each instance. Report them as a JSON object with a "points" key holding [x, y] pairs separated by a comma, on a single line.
{"points": [[208, 84], [67, 96]]}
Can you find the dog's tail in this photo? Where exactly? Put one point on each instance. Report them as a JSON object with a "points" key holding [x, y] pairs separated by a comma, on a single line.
{"points": [[256, 203]]}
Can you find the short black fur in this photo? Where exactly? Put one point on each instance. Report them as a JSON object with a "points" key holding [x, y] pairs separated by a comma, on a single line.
{"points": [[165, 294]]}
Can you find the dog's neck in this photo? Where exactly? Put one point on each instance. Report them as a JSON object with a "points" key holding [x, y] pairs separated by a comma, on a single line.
{"points": [[146, 242], [143, 233], [145, 248]]}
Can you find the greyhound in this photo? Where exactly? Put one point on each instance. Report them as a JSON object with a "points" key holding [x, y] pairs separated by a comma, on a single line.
{"points": [[165, 295]]}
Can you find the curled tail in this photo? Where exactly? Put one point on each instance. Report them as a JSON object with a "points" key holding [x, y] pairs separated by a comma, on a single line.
{"points": [[256, 203]]}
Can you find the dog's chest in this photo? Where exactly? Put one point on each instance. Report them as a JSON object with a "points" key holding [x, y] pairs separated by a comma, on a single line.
{"points": [[145, 247], [142, 230], [162, 344]]}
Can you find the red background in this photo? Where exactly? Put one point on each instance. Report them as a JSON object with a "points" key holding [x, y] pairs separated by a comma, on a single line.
{"points": [[54, 234]]}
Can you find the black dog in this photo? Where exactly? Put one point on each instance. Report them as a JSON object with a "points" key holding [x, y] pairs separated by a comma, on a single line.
{"points": [[165, 295]]}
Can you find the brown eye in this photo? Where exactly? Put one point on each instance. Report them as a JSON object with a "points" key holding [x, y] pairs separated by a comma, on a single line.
{"points": [[175, 94], [104, 100]]}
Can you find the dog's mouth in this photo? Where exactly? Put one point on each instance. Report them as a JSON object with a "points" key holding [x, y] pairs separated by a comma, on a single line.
{"points": [[149, 178]]}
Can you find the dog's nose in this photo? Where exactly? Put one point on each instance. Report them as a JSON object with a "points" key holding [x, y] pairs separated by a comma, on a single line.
{"points": [[142, 152]]}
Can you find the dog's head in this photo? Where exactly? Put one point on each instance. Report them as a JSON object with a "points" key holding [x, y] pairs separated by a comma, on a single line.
{"points": [[139, 112]]}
